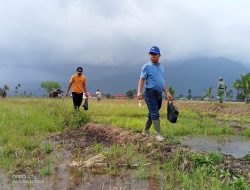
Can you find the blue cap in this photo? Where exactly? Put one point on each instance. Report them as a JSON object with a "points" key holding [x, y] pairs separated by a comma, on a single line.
{"points": [[155, 49]]}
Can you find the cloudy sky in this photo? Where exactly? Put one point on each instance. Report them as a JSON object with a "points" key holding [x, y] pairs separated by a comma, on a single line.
{"points": [[42, 37]]}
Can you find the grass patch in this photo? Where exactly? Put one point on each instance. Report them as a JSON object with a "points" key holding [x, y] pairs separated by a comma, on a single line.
{"points": [[199, 171], [46, 170], [47, 147], [246, 132], [25, 122], [23, 129], [128, 115], [75, 119]]}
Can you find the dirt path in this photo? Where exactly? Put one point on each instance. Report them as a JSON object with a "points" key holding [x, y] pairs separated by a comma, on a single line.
{"points": [[108, 135]]}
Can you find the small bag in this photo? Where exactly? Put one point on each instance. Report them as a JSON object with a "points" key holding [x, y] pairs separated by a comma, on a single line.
{"points": [[86, 104], [172, 112]]}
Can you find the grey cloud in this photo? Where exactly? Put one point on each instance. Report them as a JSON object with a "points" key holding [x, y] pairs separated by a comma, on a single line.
{"points": [[43, 34]]}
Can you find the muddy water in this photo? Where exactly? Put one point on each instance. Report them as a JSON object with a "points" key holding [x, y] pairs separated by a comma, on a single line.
{"points": [[236, 146], [72, 178], [68, 178]]}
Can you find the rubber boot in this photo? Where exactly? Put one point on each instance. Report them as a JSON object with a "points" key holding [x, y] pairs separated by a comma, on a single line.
{"points": [[147, 127], [157, 128]]}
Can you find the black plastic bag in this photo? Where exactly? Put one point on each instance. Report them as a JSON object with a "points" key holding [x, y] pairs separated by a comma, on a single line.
{"points": [[86, 104], [172, 112]]}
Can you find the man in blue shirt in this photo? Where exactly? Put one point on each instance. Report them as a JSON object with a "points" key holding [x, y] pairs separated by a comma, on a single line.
{"points": [[153, 76]]}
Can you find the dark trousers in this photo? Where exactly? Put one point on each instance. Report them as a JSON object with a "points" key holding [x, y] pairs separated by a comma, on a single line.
{"points": [[153, 100], [77, 99]]}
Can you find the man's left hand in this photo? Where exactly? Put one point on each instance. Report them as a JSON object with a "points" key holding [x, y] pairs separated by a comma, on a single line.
{"points": [[169, 96]]}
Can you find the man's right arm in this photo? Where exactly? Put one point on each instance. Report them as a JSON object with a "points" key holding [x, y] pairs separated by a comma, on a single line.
{"points": [[69, 86], [140, 86], [143, 77]]}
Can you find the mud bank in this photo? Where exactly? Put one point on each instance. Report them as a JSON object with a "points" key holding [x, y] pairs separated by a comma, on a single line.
{"points": [[239, 108], [108, 135]]}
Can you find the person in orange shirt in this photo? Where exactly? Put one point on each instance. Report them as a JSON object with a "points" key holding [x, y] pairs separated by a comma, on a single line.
{"points": [[78, 81]]}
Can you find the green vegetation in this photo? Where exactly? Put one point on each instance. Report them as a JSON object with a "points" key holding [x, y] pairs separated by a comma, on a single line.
{"points": [[129, 115], [209, 93], [25, 123], [47, 147], [199, 171], [3, 91], [47, 169], [189, 170], [243, 87], [131, 93], [50, 85]]}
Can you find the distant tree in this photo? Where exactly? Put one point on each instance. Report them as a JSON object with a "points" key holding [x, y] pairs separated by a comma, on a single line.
{"points": [[198, 97], [243, 87], [131, 93], [189, 94], [3, 91], [240, 97], [171, 91], [209, 93], [180, 96], [237, 86], [230, 95], [16, 90], [108, 96], [50, 85]]}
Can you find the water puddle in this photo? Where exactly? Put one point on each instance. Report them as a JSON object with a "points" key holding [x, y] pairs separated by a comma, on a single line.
{"points": [[236, 146], [66, 177], [69, 178]]}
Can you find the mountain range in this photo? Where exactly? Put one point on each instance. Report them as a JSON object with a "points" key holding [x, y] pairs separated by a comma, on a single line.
{"points": [[196, 74]]}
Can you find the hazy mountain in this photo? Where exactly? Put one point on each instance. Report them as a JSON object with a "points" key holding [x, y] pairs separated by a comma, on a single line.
{"points": [[200, 74], [197, 74]]}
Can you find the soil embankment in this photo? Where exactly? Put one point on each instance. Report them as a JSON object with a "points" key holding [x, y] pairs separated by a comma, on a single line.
{"points": [[235, 109], [108, 135]]}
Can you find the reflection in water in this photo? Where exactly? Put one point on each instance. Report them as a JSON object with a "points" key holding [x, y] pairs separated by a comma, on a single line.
{"points": [[236, 146], [76, 179], [65, 177]]}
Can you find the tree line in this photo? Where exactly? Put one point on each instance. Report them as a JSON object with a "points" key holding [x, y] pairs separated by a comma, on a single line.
{"points": [[241, 85]]}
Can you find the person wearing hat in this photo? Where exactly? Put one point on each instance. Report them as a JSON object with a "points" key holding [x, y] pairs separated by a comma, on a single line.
{"points": [[78, 81], [221, 89], [153, 76]]}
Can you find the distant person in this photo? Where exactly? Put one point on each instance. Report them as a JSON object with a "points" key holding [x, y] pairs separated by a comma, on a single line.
{"points": [[221, 89], [78, 81], [4, 94], [98, 95], [153, 75]]}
